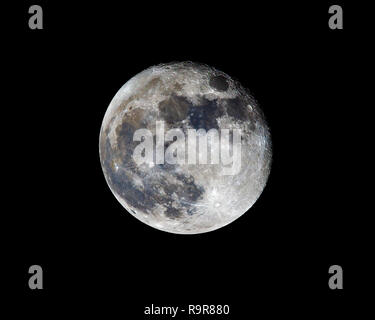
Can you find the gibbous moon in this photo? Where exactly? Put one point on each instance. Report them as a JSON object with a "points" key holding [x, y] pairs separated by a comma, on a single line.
{"points": [[185, 148]]}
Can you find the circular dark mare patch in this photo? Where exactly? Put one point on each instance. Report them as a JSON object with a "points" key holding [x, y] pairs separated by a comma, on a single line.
{"points": [[219, 83]]}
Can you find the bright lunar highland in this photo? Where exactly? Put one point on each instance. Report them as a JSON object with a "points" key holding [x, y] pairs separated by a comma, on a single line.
{"points": [[185, 197]]}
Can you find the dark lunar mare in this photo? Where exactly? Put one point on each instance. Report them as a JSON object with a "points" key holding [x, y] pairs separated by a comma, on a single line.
{"points": [[121, 181], [204, 115], [219, 83]]}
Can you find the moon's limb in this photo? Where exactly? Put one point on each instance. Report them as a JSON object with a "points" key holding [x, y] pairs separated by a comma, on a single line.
{"points": [[184, 198]]}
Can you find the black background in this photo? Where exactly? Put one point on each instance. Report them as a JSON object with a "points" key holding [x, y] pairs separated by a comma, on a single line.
{"points": [[97, 259]]}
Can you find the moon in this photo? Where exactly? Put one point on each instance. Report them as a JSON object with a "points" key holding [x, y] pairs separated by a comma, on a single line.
{"points": [[185, 196]]}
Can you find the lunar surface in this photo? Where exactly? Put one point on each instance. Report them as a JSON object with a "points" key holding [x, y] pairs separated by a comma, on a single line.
{"points": [[177, 192]]}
